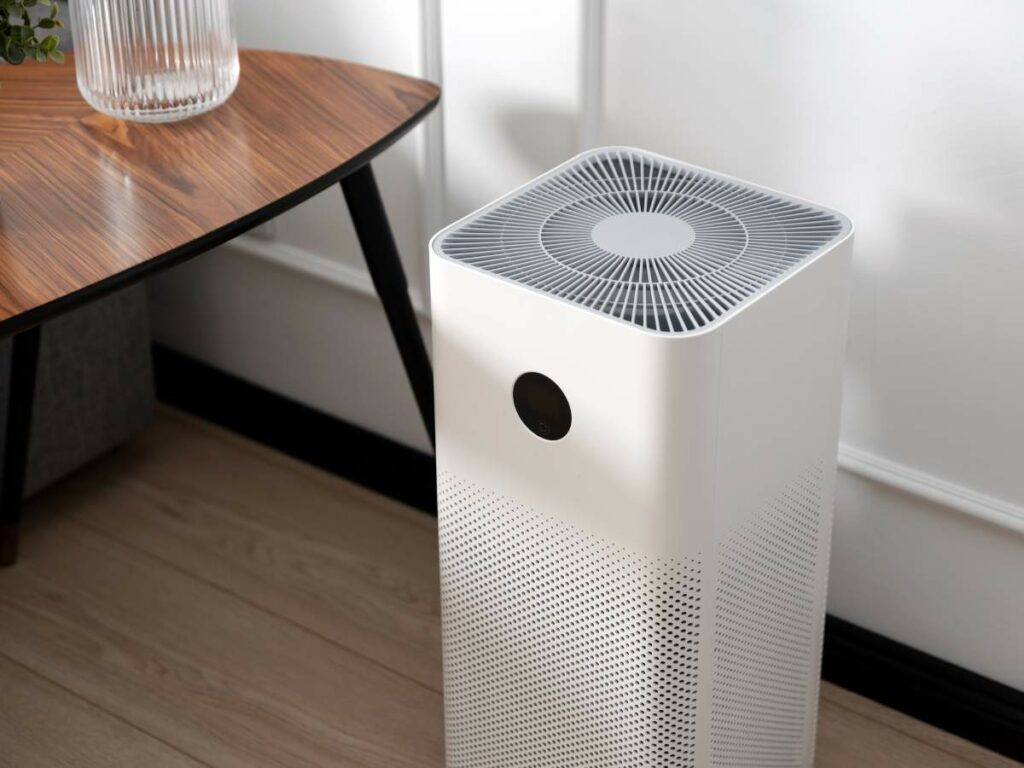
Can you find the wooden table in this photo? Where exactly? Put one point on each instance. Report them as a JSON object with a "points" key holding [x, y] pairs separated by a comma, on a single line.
{"points": [[90, 204]]}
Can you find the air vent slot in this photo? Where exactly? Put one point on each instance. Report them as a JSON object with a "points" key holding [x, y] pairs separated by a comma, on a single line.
{"points": [[561, 648], [766, 657], [644, 239]]}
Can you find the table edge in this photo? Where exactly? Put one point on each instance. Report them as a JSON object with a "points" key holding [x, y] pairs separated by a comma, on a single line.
{"points": [[42, 313]]}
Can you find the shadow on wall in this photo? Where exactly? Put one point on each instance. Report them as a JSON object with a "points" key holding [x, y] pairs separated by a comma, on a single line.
{"points": [[946, 365], [702, 82], [536, 138], [935, 365], [542, 137]]}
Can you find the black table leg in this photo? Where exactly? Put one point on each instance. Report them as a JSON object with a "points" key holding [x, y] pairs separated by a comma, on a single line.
{"points": [[378, 244], [20, 394]]}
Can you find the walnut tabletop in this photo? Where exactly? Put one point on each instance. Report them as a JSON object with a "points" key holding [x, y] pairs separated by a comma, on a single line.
{"points": [[89, 203]]}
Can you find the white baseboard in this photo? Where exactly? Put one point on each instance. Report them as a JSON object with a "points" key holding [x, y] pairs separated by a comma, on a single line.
{"points": [[852, 460], [934, 489]]}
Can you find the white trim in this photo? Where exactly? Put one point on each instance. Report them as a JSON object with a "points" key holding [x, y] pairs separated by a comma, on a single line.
{"points": [[435, 187], [352, 279], [591, 73], [934, 489]]}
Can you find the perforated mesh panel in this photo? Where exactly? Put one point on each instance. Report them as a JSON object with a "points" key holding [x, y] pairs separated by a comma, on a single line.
{"points": [[643, 239], [766, 659], [560, 648]]}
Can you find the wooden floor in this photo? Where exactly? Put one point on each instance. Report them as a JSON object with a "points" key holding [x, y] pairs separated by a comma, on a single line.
{"points": [[197, 600]]}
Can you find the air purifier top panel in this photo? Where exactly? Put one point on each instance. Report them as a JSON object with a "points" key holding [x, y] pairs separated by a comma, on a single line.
{"points": [[644, 239]]}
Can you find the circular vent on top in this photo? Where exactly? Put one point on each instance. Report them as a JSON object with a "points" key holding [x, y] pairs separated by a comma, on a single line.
{"points": [[644, 239]]}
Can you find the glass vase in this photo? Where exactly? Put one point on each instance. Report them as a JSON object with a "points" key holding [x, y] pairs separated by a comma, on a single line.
{"points": [[155, 60]]}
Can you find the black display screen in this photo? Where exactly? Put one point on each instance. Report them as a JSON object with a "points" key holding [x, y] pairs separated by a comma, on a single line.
{"points": [[542, 406]]}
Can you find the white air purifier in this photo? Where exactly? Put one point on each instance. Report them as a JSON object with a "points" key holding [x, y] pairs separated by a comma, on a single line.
{"points": [[638, 370]]}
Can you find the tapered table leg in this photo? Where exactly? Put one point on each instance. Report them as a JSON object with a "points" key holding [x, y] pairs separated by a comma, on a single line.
{"points": [[20, 395], [378, 244]]}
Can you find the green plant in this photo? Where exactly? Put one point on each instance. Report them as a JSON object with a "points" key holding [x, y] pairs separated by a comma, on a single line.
{"points": [[24, 37]]}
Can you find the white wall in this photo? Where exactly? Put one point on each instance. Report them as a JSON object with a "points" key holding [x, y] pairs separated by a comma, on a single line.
{"points": [[511, 94], [291, 307], [907, 115]]}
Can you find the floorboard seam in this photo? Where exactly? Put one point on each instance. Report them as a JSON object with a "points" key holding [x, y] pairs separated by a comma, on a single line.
{"points": [[252, 604], [394, 509], [100, 708], [906, 734]]}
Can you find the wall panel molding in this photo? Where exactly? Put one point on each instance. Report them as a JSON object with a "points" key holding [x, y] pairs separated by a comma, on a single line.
{"points": [[351, 279], [592, 56], [934, 489], [435, 186]]}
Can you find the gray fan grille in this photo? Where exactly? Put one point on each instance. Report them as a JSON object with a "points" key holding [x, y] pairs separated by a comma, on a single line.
{"points": [[730, 241]]}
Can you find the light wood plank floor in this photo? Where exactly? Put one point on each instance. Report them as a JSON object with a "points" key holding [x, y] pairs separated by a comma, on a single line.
{"points": [[198, 600]]}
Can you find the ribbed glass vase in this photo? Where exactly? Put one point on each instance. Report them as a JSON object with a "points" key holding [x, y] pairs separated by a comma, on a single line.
{"points": [[155, 60]]}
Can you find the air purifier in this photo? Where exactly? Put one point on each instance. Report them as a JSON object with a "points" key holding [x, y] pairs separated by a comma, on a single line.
{"points": [[638, 371]]}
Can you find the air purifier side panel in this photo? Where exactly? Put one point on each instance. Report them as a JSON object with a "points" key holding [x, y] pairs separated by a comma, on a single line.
{"points": [[780, 394], [781, 383], [841, 264]]}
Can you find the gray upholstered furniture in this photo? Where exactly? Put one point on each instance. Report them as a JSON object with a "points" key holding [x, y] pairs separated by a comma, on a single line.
{"points": [[94, 386]]}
